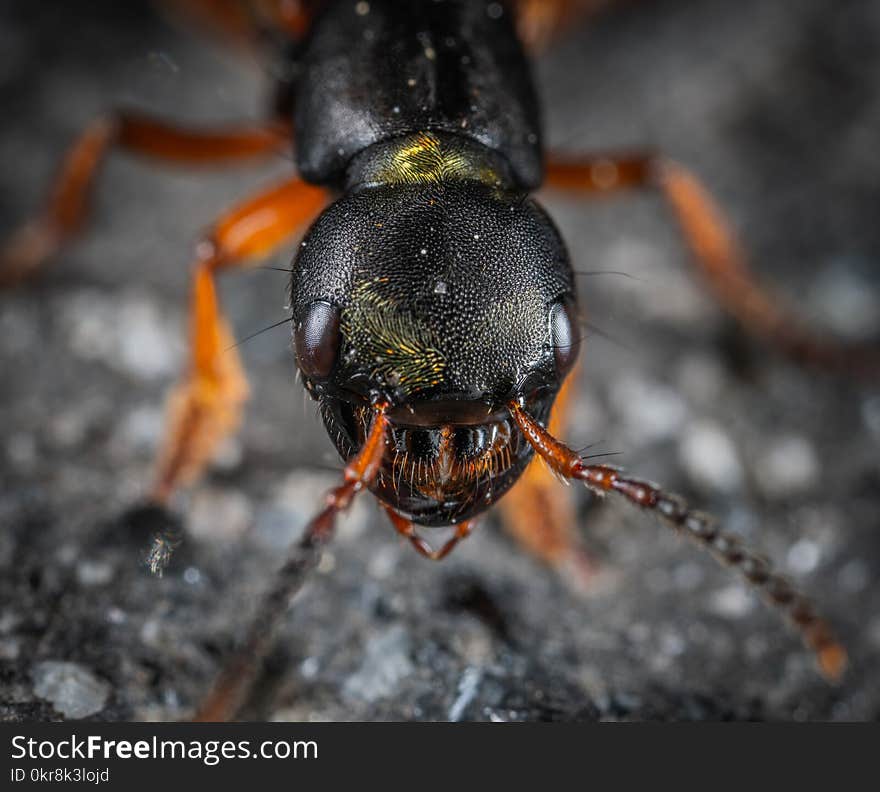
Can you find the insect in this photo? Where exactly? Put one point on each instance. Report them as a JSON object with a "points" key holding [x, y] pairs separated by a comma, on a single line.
{"points": [[435, 315]]}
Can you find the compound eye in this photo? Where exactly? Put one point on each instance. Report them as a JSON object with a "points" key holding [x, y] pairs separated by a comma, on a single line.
{"points": [[564, 336], [316, 340]]}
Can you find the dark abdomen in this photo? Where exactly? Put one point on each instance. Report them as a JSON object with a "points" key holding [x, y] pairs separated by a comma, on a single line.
{"points": [[371, 71]]}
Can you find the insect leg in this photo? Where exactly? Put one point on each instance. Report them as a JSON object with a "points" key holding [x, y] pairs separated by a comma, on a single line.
{"points": [[699, 527], [408, 530], [66, 209], [540, 21], [717, 253], [245, 23], [206, 406], [238, 674]]}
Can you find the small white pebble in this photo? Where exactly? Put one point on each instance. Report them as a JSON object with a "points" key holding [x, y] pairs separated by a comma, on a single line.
{"points": [[789, 466], [733, 601], [649, 410], [709, 457], [845, 301], [9, 621], [148, 347], [327, 563], [93, 573], [67, 553], [68, 428], [218, 514], [140, 429], [386, 662], [10, 648], [383, 562], [72, 690], [309, 667], [151, 633], [803, 556], [151, 346], [467, 689]]}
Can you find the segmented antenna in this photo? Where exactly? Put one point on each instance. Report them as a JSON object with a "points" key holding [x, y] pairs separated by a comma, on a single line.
{"points": [[699, 527], [238, 674]]}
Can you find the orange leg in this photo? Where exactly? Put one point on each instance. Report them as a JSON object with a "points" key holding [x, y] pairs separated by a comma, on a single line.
{"points": [[66, 210], [237, 676], [539, 22], [291, 16], [717, 253], [244, 23], [408, 530], [540, 514], [206, 406]]}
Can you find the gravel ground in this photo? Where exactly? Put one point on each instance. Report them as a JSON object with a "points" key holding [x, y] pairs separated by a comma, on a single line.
{"points": [[776, 104]]}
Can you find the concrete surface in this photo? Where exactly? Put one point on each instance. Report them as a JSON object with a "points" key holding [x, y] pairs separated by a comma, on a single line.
{"points": [[776, 104]]}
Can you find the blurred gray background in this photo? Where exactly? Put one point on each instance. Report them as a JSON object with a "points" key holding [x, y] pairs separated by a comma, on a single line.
{"points": [[776, 105]]}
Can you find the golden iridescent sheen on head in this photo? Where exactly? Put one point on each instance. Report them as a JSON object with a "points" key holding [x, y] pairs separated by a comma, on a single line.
{"points": [[400, 348]]}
